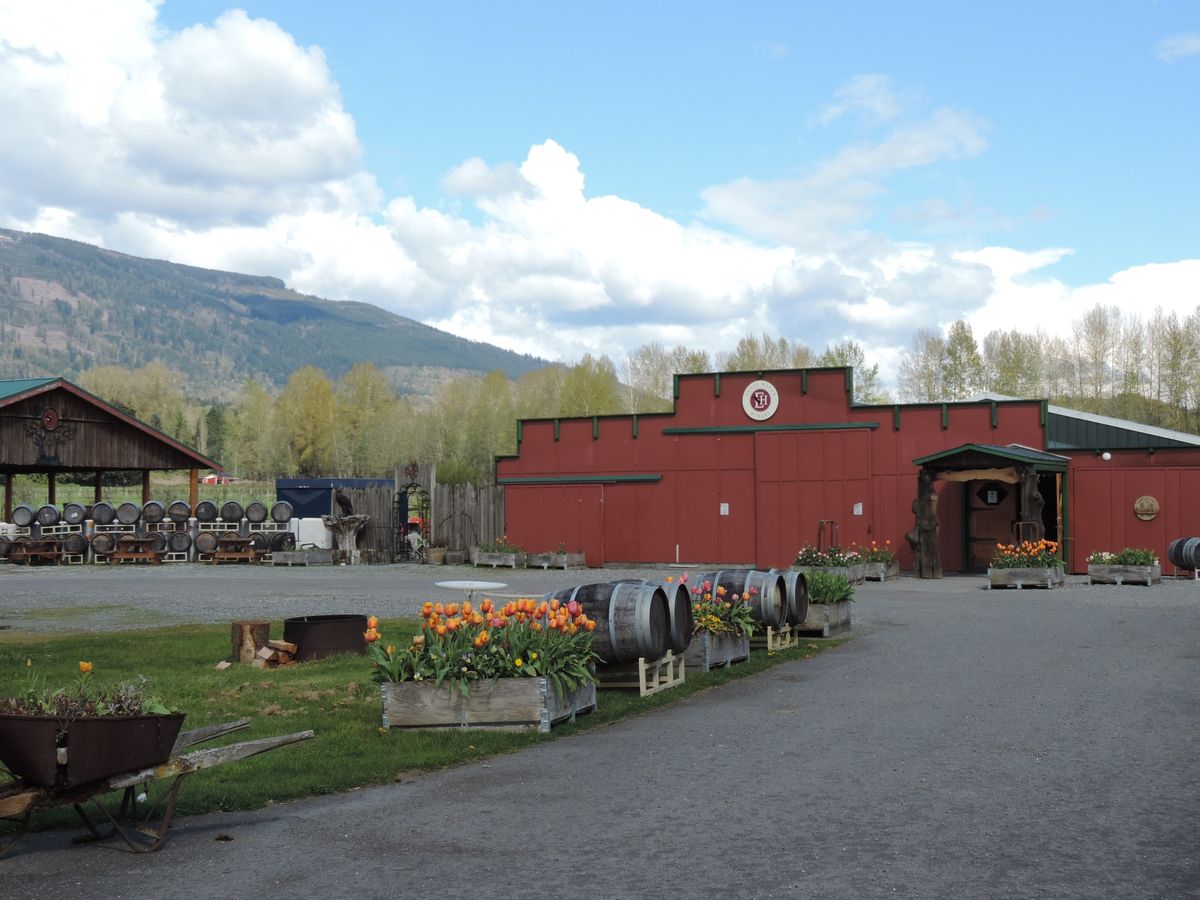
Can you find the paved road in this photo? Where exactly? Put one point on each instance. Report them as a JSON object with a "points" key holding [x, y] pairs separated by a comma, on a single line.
{"points": [[966, 743]]}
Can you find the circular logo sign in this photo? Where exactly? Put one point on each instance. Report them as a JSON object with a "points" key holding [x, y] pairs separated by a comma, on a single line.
{"points": [[760, 400], [50, 418], [1145, 508]]}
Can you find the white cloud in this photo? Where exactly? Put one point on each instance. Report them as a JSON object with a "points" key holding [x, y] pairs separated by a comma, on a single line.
{"points": [[873, 96], [1178, 46]]}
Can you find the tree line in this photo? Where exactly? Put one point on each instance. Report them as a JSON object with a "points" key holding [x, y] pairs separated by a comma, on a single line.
{"points": [[358, 425]]}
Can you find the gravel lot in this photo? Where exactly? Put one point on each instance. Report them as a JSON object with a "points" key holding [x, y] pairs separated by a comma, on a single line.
{"points": [[965, 743]]}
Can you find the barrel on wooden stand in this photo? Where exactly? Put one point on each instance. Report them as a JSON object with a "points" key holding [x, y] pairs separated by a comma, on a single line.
{"points": [[49, 515], [179, 542], [631, 618], [74, 544], [206, 511], [281, 512], [128, 513], [766, 592], [179, 511], [796, 584], [679, 611], [153, 512], [231, 511], [206, 542], [1183, 553], [104, 543], [24, 515], [259, 541], [256, 512], [103, 513], [74, 513]]}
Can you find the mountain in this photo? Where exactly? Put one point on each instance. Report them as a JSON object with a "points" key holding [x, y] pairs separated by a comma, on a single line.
{"points": [[66, 306]]}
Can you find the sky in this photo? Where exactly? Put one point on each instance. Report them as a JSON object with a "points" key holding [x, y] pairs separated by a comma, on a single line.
{"points": [[561, 179]]}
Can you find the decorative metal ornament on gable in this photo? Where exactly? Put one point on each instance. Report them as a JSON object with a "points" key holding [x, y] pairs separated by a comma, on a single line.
{"points": [[760, 400]]}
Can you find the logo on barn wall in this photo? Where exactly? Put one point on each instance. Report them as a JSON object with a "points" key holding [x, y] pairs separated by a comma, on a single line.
{"points": [[49, 433], [760, 400], [1145, 508]]}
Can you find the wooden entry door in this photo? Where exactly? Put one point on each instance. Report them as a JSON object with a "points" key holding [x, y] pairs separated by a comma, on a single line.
{"points": [[991, 508]]}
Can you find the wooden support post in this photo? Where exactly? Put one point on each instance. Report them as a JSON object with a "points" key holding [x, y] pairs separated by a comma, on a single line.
{"points": [[51, 488], [8, 480], [145, 485], [248, 638], [97, 493], [193, 488]]}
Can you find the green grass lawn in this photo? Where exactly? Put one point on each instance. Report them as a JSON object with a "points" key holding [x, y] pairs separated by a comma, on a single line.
{"points": [[333, 697]]}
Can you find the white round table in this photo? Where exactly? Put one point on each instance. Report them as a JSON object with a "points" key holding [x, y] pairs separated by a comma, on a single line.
{"points": [[471, 587]]}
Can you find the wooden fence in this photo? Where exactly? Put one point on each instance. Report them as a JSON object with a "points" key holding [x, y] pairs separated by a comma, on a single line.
{"points": [[376, 542], [466, 515]]}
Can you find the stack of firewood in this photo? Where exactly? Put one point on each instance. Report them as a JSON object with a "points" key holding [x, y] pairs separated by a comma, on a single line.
{"points": [[275, 654]]}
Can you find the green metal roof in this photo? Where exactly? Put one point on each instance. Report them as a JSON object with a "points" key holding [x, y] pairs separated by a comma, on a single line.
{"points": [[1069, 429], [21, 385], [1038, 459]]}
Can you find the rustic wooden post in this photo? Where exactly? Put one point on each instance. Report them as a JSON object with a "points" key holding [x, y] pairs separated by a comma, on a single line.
{"points": [[924, 537], [51, 488], [8, 479], [193, 488], [145, 485], [248, 638], [1031, 503], [97, 494]]}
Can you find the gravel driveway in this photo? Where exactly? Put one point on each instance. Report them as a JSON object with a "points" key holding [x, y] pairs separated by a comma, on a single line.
{"points": [[965, 743]]}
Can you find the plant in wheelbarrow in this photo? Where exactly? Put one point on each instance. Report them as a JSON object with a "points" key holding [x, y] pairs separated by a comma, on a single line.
{"points": [[73, 735]]}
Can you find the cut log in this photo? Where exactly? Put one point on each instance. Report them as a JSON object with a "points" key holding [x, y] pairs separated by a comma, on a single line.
{"points": [[263, 663], [285, 646], [267, 653], [248, 638], [223, 665]]}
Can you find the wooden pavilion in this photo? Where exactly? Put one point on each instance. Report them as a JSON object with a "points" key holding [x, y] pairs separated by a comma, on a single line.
{"points": [[51, 426]]}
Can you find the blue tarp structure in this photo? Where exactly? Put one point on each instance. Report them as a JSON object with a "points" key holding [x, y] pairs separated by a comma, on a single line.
{"points": [[312, 498]]}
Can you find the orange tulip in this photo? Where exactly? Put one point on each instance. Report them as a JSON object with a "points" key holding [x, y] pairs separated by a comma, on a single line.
{"points": [[84, 667], [554, 604], [371, 635], [441, 631], [486, 607], [452, 609], [372, 622], [439, 609]]}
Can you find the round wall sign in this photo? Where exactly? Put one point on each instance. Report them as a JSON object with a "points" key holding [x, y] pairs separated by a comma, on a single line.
{"points": [[50, 418], [1145, 508], [760, 400]]}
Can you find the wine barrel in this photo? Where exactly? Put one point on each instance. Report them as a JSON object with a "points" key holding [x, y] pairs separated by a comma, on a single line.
{"points": [[128, 513], [179, 542], [153, 511], [796, 584], [281, 512], [73, 513], [1183, 553], [49, 515], [103, 513], [179, 511], [24, 515], [679, 611], [158, 541], [103, 543], [206, 511], [631, 618], [283, 540], [206, 542], [231, 511], [768, 595], [259, 541], [74, 544], [256, 512]]}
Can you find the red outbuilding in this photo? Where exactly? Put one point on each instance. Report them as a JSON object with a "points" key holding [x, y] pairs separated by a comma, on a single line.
{"points": [[750, 466]]}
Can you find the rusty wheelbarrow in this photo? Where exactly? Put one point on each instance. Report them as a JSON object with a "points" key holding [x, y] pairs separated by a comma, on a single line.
{"points": [[141, 821]]}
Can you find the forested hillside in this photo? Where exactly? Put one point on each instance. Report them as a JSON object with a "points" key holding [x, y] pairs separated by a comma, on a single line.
{"points": [[66, 307]]}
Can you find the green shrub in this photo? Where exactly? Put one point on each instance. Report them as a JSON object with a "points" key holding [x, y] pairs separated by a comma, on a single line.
{"points": [[824, 587]]}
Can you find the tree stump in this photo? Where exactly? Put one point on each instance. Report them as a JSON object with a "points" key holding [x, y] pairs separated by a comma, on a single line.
{"points": [[924, 537], [248, 638]]}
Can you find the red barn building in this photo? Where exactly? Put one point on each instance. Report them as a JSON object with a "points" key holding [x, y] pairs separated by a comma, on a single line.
{"points": [[750, 466]]}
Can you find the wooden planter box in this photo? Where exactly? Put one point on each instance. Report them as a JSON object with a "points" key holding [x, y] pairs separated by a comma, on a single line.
{"points": [[555, 560], [1146, 575], [855, 574], [96, 747], [882, 571], [826, 618], [456, 557], [509, 560], [1044, 577], [505, 704], [302, 558], [436, 555], [708, 650]]}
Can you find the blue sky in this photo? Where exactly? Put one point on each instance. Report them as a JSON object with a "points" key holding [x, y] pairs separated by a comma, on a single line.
{"points": [[814, 170]]}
